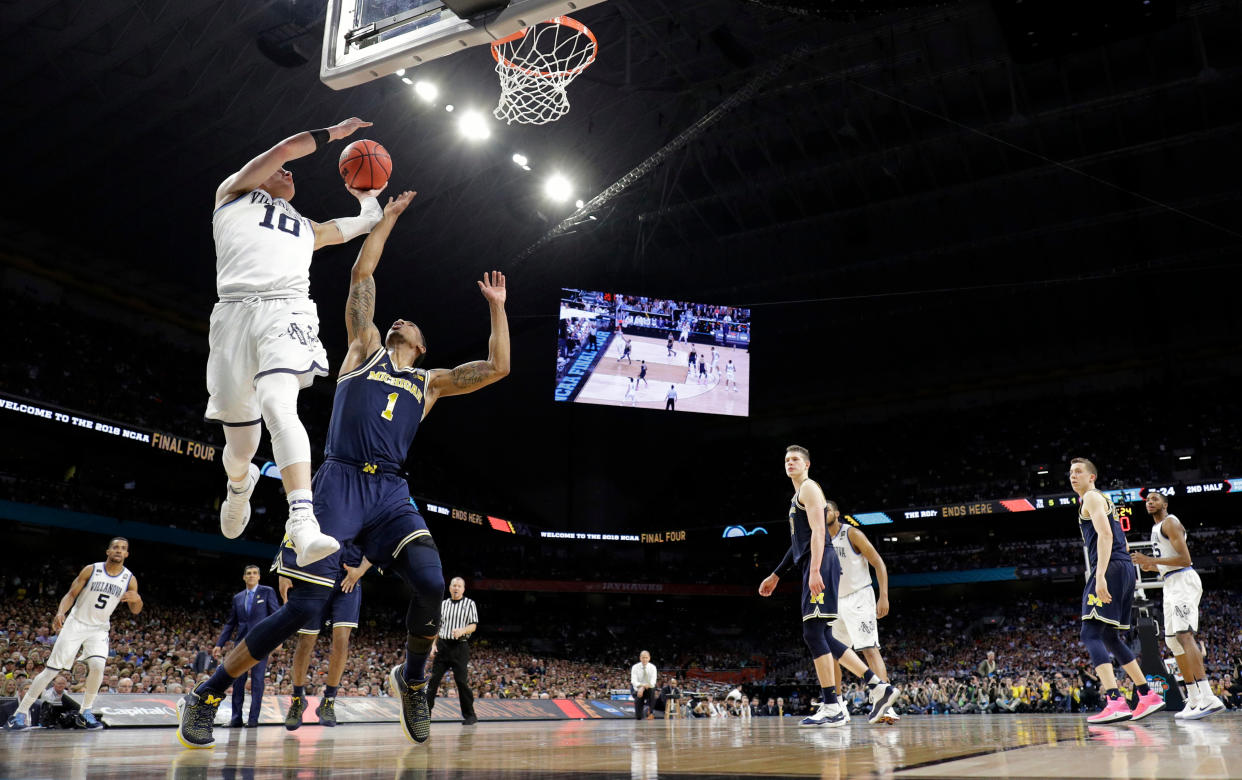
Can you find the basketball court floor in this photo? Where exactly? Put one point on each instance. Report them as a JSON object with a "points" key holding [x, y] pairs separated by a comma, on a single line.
{"points": [[1018, 746], [609, 380]]}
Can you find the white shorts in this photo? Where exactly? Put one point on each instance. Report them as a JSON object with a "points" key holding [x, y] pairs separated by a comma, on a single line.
{"points": [[855, 625], [251, 339], [1182, 592], [74, 636]]}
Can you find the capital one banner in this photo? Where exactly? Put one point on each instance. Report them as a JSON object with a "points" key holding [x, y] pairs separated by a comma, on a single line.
{"points": [[123, 709]]}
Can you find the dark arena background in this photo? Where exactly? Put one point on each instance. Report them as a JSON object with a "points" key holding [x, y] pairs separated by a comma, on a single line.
{"points": [[951, 246]]}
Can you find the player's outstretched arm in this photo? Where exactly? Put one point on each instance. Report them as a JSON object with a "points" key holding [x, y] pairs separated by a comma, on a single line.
{"points": [[364, 337], [66, 603], [345, 229], [469, 377], [260, 168], [131, 597]]}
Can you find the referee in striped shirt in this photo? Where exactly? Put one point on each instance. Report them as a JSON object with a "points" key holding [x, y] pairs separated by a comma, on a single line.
{"points": [[459, 618]]}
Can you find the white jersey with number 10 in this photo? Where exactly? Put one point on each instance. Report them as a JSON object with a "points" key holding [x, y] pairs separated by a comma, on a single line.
{"points": [[263, 245]]}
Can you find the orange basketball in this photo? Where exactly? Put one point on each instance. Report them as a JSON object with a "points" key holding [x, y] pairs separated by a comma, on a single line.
{"points": [[365, 165]]}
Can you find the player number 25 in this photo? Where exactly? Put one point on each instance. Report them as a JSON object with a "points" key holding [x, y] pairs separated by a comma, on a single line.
{"points": [[392, 402]]}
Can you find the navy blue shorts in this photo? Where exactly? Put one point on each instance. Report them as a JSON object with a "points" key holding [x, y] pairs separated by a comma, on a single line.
{"points": [[1120, 577], [373, 512], [825, 604], [342, 609]]}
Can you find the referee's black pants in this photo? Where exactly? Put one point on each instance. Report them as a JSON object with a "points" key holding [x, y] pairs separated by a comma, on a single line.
{"points": [[452, 655]]}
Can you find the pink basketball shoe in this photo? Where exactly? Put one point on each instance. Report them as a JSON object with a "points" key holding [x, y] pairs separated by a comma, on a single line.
{"points": [[1116, 711]]}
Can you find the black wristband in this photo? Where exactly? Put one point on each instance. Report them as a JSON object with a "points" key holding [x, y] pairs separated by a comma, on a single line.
{"points": [[322, 137]]}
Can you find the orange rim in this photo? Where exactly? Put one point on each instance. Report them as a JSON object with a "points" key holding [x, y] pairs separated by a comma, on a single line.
{"points": [[567, 21]]}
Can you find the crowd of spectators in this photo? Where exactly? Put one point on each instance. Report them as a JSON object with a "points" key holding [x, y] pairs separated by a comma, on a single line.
{"points": [[723, 323]]}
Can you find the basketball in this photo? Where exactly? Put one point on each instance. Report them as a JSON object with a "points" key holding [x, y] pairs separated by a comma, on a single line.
{"points": [[365, 165]]}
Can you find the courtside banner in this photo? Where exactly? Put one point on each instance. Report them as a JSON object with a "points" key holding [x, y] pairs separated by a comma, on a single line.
{"points": [[122, 709]]}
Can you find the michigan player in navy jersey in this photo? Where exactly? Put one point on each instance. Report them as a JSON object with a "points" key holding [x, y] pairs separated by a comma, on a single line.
{"points": [[1107, 598], [382, 396], [811, 552]]}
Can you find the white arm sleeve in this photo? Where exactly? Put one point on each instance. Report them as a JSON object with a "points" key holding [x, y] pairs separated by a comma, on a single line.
{"points": [[369, 217]]}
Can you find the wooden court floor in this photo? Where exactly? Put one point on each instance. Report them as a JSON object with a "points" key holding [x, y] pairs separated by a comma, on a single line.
{"points": [[1018, 746]]}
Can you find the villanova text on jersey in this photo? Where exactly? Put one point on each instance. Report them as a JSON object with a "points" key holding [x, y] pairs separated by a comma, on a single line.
{"points": [[110, 588]]}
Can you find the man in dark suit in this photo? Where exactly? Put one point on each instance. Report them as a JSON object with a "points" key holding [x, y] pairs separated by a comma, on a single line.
{"points": [[250, 606]]}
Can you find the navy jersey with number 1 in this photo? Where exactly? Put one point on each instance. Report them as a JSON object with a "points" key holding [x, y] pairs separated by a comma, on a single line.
{"points": [[360, 496], [376, 412]]}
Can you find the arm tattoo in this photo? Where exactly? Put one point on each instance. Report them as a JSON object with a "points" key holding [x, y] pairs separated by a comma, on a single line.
{"points": [[470, 374], [360, 310]]}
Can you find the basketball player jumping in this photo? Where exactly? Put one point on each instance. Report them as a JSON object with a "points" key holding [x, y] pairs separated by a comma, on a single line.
{"points": [[858, 625], [821, 573], [264, 335], [381, 398], [1107, 598], [82, 620], [1182, 591]]}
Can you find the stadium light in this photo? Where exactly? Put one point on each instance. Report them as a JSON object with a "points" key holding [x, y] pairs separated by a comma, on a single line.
{"points": [[520, 159], [449, 108], [401, 72], [473, 126], [1184, 457], [426, 90], [578, 203], [406, 80], [558, 188]]}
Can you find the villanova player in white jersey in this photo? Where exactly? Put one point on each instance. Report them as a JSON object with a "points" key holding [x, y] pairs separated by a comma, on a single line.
{"points": [[265, 332], [382, 396], [1182, 591], [857, 623], [82, 624]]}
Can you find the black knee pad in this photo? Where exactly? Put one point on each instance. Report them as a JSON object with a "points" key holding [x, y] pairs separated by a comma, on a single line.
{"points": [[1094, 636], [419, 565], [816, 633], [1118, 647], [835, 646]]}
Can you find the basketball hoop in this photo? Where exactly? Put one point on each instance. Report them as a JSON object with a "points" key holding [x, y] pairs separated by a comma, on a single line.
{"points": [[535, 66]]}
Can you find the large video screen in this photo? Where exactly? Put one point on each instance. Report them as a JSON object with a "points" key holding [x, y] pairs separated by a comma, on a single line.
{"points": [[651, 353]]}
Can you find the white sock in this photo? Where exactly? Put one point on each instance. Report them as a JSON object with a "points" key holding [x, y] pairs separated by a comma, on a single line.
{"points": [[301, 500], [37, 686], [1205, 690]]}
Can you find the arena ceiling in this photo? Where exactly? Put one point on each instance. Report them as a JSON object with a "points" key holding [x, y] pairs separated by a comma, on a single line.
{"points": [[865, 150]]}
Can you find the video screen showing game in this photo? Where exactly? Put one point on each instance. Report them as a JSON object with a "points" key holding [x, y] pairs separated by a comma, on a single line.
{"points": [[653, 353]]}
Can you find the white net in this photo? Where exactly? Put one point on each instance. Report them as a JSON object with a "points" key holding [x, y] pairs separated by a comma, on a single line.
{"points": [[535, 67]]}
